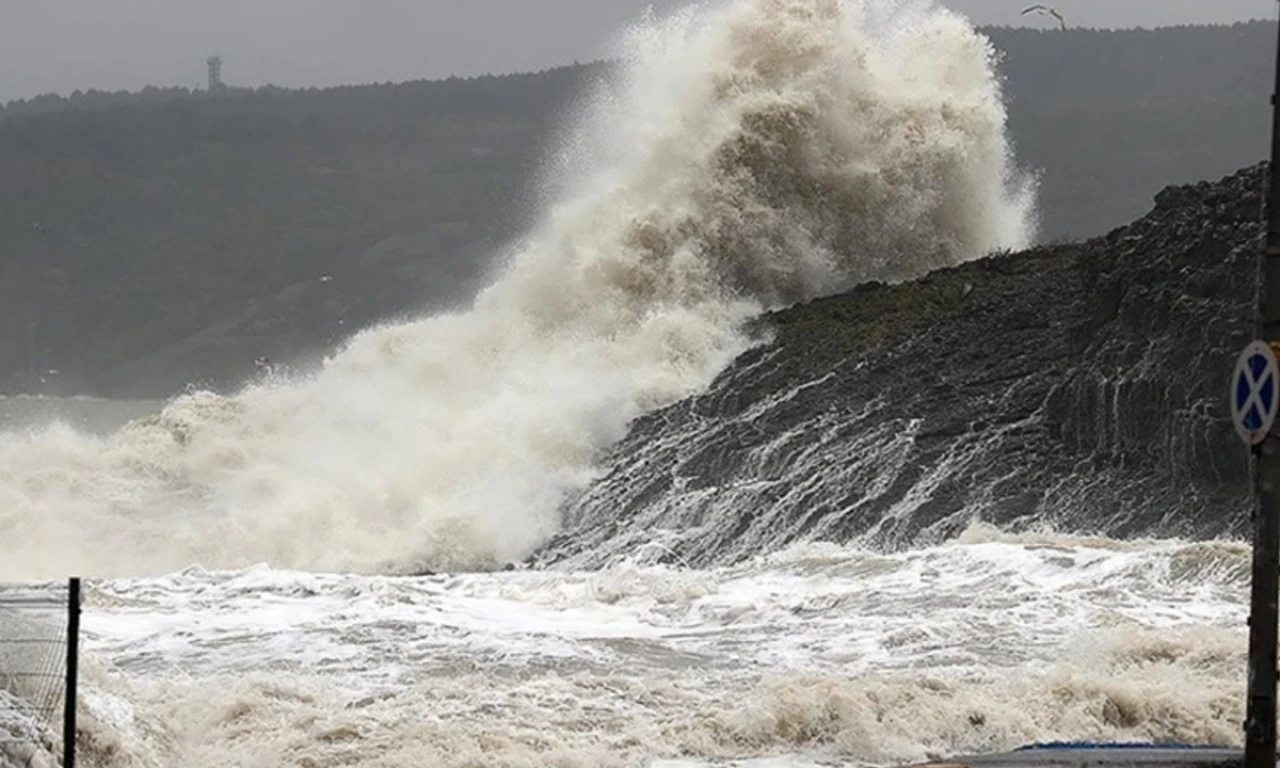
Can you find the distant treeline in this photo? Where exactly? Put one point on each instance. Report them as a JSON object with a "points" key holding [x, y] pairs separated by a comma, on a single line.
{"points": [[152, 238], [1078, 67], [95, 99]]}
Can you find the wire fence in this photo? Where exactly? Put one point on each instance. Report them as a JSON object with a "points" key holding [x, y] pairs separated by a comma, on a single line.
{"points": [[37, 672]]}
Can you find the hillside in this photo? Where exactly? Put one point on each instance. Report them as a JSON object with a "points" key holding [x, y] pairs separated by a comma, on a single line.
{"points": [[159, 239]]}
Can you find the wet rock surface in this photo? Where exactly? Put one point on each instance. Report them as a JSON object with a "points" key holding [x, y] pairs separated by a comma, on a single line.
{"points": [[1080, 386]]}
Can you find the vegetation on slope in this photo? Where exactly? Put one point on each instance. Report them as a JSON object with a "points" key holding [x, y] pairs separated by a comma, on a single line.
{"points": [[148, 240]]}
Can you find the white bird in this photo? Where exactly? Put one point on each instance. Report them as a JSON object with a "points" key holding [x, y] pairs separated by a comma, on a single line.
{"points": [[1046, 10]]}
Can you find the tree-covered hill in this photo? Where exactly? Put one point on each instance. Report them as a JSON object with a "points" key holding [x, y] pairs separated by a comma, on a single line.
{"points": [[151, 240]]}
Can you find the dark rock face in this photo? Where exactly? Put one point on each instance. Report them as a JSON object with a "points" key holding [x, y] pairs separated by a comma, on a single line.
{"points": [[1080, 386]]}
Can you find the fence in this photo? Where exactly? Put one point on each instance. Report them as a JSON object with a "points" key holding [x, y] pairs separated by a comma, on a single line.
{"points": [[39, 646]]}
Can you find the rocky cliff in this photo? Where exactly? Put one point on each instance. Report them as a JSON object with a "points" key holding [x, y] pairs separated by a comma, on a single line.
{"points": [[1080, 386]]}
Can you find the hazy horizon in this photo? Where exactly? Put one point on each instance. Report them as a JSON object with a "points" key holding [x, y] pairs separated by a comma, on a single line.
{"points": [[128, 44]]}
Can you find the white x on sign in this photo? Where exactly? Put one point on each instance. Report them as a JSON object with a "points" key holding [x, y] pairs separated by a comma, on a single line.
{"points": [[1254, 392]]}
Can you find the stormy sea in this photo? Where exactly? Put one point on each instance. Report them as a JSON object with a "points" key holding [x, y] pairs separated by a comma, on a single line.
{"points": [[776, 443]]}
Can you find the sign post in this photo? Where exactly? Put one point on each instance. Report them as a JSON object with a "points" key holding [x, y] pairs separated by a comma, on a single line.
{"points": [[1260, 720]]}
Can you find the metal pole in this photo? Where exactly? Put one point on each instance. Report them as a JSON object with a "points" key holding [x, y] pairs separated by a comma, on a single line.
{"points": [[73, 656], [1260, 722]]}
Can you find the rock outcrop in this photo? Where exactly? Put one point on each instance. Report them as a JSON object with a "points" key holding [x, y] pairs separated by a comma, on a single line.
{"points": [[1080, 386]]}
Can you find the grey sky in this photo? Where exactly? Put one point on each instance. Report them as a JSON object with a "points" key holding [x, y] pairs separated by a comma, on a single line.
{"points": [[62, 45]]}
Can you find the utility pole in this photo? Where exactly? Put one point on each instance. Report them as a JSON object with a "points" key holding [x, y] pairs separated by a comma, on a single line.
{"points": [[1260, 722]]}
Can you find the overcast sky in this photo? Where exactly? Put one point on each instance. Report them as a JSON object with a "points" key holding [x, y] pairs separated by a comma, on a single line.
{"points": [[62, 45]]}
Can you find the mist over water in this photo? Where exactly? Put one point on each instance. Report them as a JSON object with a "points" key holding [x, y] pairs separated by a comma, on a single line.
{"points": [[86, 414], [749, 155]]}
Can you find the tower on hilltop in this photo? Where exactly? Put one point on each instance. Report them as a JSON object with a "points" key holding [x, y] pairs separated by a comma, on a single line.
{"points": [[215, 73]]}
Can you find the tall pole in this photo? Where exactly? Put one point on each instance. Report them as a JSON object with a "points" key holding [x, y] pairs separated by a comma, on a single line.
{"points": [[1260, 722], [73, 666]]}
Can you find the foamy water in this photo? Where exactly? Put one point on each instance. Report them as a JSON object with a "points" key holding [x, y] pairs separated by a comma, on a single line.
{"points": [[815, 653], [751, 155]]}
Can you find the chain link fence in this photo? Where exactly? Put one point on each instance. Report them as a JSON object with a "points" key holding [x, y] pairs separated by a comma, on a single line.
{"points": [[39, 628]]}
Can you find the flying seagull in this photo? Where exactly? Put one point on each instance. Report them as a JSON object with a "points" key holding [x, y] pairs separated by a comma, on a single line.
{"points": [[1044, 9]]}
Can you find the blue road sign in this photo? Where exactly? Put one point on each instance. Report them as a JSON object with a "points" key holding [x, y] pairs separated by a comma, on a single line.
{"points": [[1255, 392]]}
